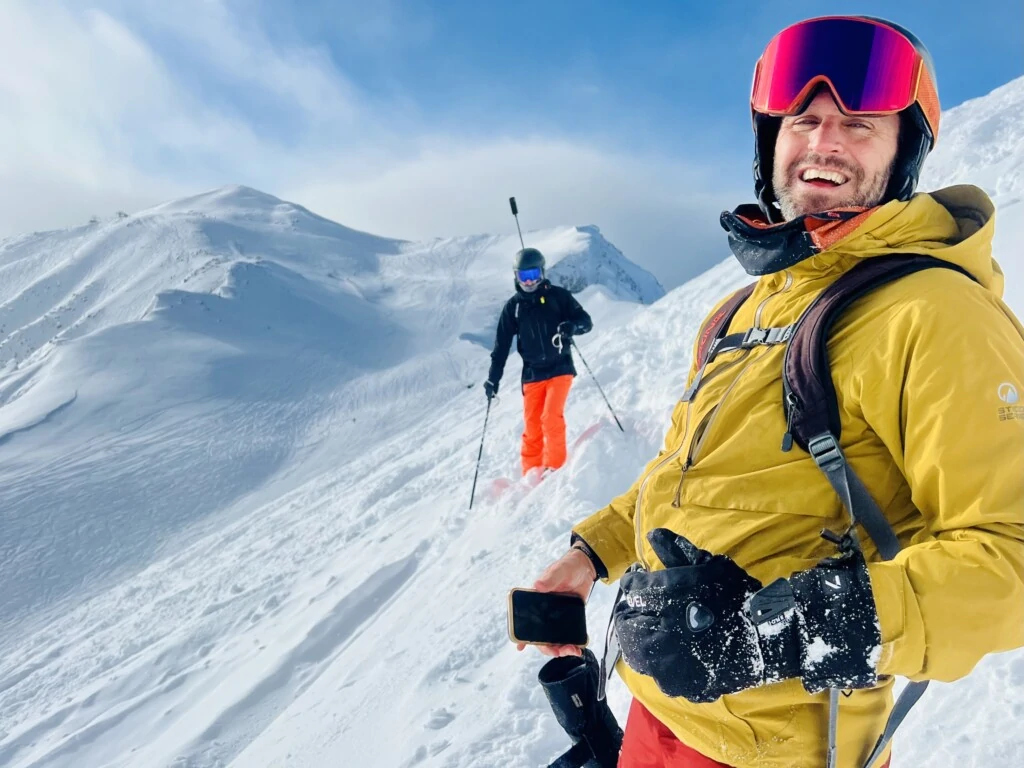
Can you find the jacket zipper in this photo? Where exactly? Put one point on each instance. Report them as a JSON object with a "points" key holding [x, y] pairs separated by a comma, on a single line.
{"points": [[691, 457], [697, 441], [637, 528], [760, 307], [701, 433]]}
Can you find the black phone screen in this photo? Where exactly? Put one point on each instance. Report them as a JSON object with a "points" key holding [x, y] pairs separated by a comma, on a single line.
{"points": [[543, 617]]}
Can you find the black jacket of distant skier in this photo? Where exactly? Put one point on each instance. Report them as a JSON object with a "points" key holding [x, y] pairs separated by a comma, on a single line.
{"points": [[533, 319]]}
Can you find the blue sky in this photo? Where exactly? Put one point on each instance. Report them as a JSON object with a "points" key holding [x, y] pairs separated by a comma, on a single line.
{"points": [[417, 119], [619, 67]]}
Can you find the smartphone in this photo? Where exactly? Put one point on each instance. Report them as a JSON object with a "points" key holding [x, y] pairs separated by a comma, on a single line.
{"points": [[545, 618]]}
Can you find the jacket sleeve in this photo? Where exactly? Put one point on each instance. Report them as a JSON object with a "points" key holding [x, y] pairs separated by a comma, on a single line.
{"points": [[955, 595], [578, 315], [507, 328]]}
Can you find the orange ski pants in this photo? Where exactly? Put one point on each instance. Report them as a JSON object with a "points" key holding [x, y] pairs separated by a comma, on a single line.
{"points": [[543, 412]]}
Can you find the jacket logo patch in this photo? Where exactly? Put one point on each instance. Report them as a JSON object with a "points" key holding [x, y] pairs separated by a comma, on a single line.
{"points": [[1012, 413], [1008, 393]]}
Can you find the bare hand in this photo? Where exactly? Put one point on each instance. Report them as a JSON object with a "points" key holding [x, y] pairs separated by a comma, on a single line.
{"points": [[571, 574]]}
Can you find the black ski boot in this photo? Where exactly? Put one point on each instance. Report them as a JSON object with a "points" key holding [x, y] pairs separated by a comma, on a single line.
{"points": [[570, 683]]}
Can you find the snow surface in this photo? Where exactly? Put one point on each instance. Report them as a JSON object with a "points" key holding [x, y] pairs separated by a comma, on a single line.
{"points": [[981, 142], [236, 448]]}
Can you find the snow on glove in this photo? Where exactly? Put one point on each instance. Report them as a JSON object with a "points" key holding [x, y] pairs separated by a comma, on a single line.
{"points": [[840, 636], [686, 626], [704, 627], [490, 389]]}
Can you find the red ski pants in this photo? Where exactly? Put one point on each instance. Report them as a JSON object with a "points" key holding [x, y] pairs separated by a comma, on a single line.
{"points": [[544, 436], [647, 743]]}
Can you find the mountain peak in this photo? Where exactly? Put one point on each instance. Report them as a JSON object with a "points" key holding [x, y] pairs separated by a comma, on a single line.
{"points": [[232, 196]]}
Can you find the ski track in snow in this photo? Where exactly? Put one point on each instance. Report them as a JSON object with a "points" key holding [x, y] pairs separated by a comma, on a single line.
{"points": [[265, 558]]}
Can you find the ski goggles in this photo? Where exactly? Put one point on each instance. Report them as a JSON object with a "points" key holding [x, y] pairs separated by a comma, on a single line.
{"points": [[870, 68], [531, 275]]}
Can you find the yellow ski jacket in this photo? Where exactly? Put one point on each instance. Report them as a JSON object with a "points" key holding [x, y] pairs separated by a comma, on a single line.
{"points": [[929, 372]]}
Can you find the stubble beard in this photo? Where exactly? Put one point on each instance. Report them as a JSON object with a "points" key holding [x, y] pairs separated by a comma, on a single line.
{"points": [[858, 192]]}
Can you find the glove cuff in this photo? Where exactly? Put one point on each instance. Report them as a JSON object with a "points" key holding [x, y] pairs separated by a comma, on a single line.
{"points": [[772, 610], [840, 635]]}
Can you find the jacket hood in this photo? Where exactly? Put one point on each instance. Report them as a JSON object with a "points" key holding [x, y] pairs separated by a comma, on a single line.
{"points": [[955, 224]]}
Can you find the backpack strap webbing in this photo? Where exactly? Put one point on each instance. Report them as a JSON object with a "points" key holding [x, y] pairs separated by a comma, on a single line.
{"points": [[712, 333], [813, 422], [809, 398]]}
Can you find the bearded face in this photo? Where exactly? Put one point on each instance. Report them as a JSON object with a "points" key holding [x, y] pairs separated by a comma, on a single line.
{"points": [[826, 160]]}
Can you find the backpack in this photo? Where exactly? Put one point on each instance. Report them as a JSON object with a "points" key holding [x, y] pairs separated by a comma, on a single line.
{"points": [[812, 416]]}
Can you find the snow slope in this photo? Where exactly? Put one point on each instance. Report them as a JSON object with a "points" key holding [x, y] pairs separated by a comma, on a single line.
{"points": [[981, 142], [209, 337], [235, 524]]}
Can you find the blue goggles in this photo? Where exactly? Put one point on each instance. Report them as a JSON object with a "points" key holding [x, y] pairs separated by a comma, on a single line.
{"points": [[531, 275]]}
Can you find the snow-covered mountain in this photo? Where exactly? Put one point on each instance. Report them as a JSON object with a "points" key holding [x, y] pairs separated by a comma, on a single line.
{"points": [[167, 374], [981, 142], [236, 449], [59, 286]]}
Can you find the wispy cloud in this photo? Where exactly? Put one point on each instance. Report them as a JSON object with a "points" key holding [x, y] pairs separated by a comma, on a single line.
{"points": [[123, 105], [660, 211]]}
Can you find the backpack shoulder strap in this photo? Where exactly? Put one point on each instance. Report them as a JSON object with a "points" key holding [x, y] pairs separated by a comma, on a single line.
{"points": [[712, 333], [809, 395], [715, 327], [812, 418]]}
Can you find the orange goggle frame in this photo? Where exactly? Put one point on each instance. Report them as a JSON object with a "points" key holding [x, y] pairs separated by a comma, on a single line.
{"points": [[871, 69]]}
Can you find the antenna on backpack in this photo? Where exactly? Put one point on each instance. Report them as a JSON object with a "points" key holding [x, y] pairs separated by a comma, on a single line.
{"points": [[515, 212]]}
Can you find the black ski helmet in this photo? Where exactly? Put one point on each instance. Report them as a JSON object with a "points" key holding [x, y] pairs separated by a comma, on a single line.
{"points": [[528, 258], [919, 130]]}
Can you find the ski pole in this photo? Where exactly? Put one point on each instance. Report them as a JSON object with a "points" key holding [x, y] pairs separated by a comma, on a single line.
{"points": [[515, 212], [480, 453], [583, 360]]}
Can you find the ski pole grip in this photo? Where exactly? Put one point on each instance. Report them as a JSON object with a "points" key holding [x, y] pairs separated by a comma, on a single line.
{"points": [[515, 208]]}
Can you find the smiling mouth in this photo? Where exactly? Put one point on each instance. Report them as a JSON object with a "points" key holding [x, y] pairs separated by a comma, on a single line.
{"points": [[822, 178]]}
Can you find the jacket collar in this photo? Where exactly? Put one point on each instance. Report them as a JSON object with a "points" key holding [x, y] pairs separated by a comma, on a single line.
{"points": [[955, 224], [763, 248]]}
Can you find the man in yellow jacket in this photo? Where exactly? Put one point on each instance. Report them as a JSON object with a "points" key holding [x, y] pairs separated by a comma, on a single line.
{"points": [[927, 371]]}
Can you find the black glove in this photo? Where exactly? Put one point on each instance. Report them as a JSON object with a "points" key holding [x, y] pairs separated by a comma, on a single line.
{"points": [[566, 329], [704, 627], [490, 389]]}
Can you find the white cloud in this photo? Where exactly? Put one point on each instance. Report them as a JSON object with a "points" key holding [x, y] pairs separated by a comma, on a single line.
{"points": [[96, 119], [662, 213], [89, 111]]}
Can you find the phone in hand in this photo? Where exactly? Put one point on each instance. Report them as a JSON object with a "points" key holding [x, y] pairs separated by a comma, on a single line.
{"points": [[546, 618]]}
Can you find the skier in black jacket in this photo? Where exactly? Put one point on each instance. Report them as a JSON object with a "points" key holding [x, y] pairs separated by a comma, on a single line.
{"points": [[544, 318]]}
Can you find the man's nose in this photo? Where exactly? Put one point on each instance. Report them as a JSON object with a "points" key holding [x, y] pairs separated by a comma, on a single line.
{"points": [[826, 138]]}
